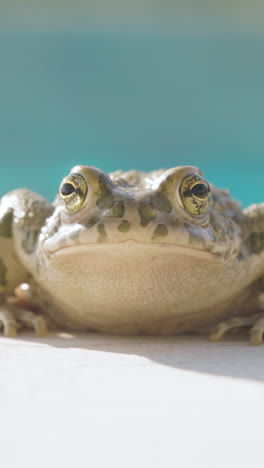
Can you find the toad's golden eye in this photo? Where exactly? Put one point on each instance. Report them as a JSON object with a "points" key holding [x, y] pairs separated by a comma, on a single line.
{"points": [[72, 192], [195, 194]]}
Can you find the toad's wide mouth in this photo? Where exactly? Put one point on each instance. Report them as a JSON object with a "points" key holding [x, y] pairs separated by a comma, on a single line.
{"points": [[134, 249]]}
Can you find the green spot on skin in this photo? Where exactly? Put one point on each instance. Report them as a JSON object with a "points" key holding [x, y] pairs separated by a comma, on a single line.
{"points": [[161, 203], [107, 201], [256, 242], [240, 257], [160, 231], [147, 213], [218, 229], [29, 242], [124, 226], [103, 235], [3, 271], [214, 222], [90, 222], [117, 211], [105, 196], [6, 224]]}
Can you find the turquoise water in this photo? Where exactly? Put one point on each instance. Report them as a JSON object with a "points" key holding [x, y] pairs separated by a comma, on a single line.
{"points": [[131, 101]]}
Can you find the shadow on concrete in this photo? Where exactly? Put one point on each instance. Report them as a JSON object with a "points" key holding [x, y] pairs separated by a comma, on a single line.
{"points": [[232, 357]]}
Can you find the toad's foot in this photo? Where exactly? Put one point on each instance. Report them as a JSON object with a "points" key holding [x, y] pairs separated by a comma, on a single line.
{"points": [[255, 321], [12, 318], [256, 331]]}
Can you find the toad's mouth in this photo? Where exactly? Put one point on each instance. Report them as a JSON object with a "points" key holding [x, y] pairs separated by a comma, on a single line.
{"points": [[135, 249]]}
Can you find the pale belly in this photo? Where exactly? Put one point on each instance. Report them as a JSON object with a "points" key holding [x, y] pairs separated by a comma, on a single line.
{"points": [[127, 289]]}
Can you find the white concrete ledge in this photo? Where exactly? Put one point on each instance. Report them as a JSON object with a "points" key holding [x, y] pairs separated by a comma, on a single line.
{"points": [[109, 401]]}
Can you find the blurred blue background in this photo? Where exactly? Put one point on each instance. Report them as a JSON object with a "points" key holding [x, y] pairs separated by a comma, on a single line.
{"points": [[132, 85]]}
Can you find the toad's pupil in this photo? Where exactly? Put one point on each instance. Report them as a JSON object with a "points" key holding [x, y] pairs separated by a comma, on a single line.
{"points": [[67, 189], [200, 190]]}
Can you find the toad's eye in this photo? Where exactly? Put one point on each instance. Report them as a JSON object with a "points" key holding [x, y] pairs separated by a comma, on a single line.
{"points": [[67, 189], [195, 194], [72, 192], [200, 190]]}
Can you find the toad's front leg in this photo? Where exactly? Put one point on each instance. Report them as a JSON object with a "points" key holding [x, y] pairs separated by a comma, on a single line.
{"points": [[22, 215], [13, 317], [25, 309], [254, 322]]}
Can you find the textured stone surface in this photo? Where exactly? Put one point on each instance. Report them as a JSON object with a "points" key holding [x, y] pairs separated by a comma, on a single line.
{"points": [[102, 401]]}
